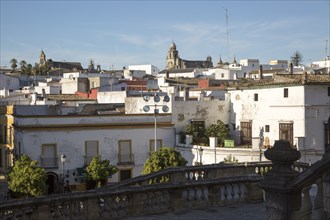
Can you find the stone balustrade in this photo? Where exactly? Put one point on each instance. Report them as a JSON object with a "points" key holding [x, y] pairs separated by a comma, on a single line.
{"points": [[288, 191], [184, 188]]}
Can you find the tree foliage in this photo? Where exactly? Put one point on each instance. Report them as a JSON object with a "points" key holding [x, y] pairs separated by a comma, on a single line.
{"points": [[26, 178], [13, 63], [99, 170], [296, 58], [164, 157], [230, 159], [219, 130]]}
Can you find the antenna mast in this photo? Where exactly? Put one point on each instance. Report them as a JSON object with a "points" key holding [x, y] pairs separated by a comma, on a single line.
{"points": [[326, 49], [227, 32]]}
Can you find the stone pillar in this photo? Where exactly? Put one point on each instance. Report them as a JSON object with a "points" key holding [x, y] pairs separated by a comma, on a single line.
{"points": [[213, 145], [189, 140], [281, 204], [326, 181]]}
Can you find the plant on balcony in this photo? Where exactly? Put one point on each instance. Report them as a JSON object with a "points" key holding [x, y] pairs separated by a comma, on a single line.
{"points": [[163, 158], [219, 130], [98, 170], [25, 178], [198, 134], [230, 159]]}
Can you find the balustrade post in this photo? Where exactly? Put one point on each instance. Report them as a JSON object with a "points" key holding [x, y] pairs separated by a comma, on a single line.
{"points": [[280, 204], [326, 180], [326, 193]]}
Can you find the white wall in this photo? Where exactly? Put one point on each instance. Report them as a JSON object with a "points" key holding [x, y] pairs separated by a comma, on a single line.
{"points": [[111, 97], [8, 82], [71, 141], [307, 107], [149, 69]]}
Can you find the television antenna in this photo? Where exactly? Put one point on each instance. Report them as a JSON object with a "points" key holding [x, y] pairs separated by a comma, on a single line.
{"points": [[227, 32]]}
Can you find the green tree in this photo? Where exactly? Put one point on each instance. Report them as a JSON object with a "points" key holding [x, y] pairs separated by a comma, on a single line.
{"points": [[29, 69], [219, 130], [99, 170], [13, 62], [26, 178], [296, 58], [164, 157], [23, 66]]}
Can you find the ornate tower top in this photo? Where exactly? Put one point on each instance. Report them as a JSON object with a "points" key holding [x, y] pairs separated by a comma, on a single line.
{"points": [[42, 58]]}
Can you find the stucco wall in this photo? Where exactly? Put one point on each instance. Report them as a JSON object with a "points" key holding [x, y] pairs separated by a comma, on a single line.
{"points": [[71, 142], [208, 111]]}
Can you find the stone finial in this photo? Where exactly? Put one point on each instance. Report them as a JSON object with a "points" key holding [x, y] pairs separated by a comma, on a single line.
{"points": [[282, 156], [279, 203], [282, 152]]}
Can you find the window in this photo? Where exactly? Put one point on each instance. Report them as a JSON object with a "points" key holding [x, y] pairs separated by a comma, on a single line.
{"points": [[286, 92], [91, 151], [125, 174], [327, 134], [328, 91], [198, 125], [49, 156], [266, 128], [255, 97], [286, 132], [199, 128], [246, 133], [152, 144], [125, 155], [222, 75]]}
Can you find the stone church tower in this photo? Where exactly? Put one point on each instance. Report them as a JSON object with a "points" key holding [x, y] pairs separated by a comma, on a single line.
{"points": [[173, 60], [42, 58]]}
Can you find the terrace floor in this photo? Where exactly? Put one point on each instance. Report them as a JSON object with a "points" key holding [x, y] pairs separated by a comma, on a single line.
{"points": [[243, 211]]}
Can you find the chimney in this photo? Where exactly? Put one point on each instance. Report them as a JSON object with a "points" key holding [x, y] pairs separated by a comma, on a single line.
{"points": [[291, 68], [260, 72]]}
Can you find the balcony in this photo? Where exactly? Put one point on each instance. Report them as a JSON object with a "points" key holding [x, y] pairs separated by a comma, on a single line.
{"points": [[125, 159], [49, 162], [88, 159]]}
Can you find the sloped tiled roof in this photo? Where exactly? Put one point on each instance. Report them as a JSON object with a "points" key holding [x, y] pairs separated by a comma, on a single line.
{"points": [[286, 80]]}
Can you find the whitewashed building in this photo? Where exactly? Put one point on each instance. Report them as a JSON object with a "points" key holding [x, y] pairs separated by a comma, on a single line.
{"points": [[293, 107], [116, 137], [9, 82], [148, 69]]}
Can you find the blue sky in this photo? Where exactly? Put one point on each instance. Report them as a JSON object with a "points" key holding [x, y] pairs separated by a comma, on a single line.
{"points": [[121, 33]]}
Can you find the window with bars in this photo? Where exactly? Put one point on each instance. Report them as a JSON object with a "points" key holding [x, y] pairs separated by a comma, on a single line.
{"points": [[327, 134], [125, 155], [49, 156], [246, 133], [286, 132], [91, 150]]}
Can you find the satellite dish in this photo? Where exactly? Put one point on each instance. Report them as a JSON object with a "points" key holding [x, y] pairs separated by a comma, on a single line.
{"points": [[165, 108], [146, 98], [146, 108], [166, 98], [156, 98]]}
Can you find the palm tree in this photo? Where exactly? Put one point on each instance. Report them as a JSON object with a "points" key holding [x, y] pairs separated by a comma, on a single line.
{"points": [[23, 64], [13, 63]]}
